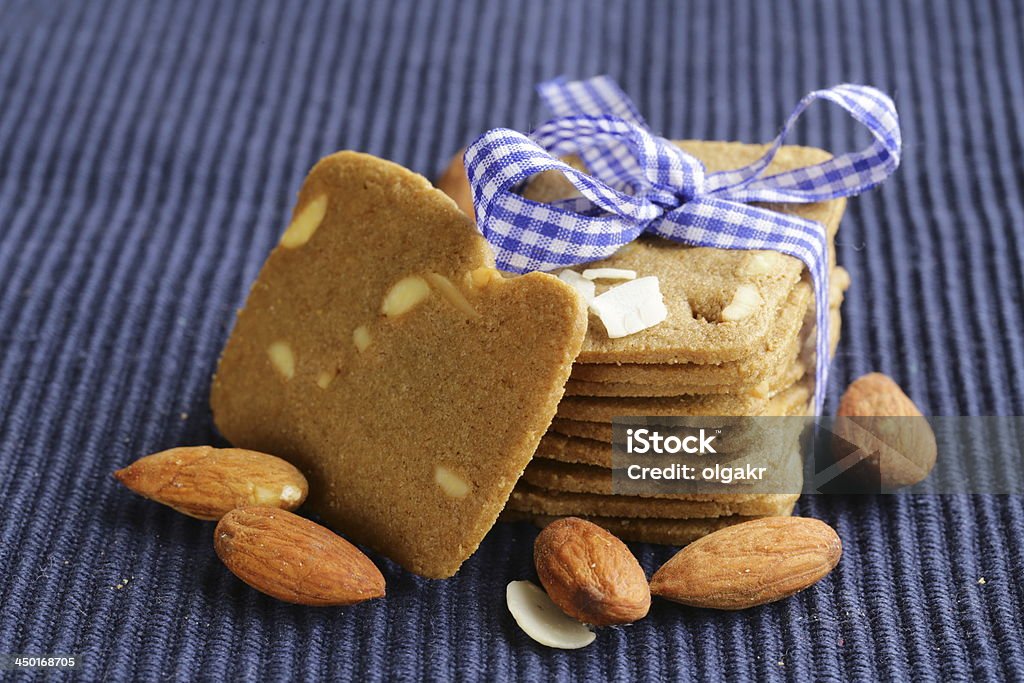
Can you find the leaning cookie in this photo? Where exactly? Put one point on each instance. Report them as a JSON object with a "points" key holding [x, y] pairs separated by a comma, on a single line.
{"points": [[381, 353]]}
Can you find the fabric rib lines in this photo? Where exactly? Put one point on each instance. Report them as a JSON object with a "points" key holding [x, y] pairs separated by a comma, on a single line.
{"points": [[149, 156]]}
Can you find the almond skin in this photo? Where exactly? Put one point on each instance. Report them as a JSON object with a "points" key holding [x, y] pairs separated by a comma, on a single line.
{"points": [[206, 482], [590, 574], [293, 559], [750, 564], [882, 426]]}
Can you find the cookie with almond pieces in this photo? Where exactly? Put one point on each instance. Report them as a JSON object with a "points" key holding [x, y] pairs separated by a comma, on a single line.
{"points": [[721, 303], [381, 353], [728, 377]]}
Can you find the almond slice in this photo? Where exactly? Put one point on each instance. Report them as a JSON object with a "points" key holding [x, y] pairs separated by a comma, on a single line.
{"points": [[630, 308], [763, 263], [404, 295], [452, 294], [361, 338], [305, 223], [452, 484], [745, 301], [542, 620], [609, 274], [585, 287], [282, 358]]}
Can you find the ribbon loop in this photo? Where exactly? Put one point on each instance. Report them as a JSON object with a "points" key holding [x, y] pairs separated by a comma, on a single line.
{"points": [[841, 176], [638, 182]]}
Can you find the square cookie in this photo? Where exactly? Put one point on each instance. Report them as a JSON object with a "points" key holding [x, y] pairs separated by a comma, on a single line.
{"points": [[777, 350], [381, 353], [531, 499], [653, 530], [697, 283]]}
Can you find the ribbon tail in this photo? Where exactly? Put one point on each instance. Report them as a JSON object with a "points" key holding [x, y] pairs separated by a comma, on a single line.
{"points": [[597, 96], [839, 176]]}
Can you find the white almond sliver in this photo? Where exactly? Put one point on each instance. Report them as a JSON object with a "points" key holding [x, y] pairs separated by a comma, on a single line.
{"points": [[745, 301], [577, 282], [609, 274], [630, 308], [542, 620]]}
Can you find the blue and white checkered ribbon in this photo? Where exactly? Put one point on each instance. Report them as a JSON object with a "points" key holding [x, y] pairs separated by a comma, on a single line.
{"points": [[639, 182]]}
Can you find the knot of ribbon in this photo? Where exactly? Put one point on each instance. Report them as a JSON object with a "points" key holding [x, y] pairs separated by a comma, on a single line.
{"points": [[637, 182]]}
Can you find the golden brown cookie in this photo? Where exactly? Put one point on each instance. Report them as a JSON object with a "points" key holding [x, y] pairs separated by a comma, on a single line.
{"points": [[783, 403], [659, 531], [788, 373], [786, 477], [583, 429], [743, 373], [744, 441], [382, 354], [729, 377], [555, 446], [605, 409], [527, 498], [801, 363], [698, 283]]}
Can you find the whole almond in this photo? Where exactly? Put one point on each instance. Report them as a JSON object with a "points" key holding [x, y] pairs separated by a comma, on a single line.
{"points": [[206, 482], [590, 574], [293, 559], [891, 441], [750, 564]]}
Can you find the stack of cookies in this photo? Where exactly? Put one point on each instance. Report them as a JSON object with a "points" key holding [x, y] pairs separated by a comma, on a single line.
{"points": [[737, 339]]}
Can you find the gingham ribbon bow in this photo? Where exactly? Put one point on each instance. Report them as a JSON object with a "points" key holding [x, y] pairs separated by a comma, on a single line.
{"points": [[639, 182]]}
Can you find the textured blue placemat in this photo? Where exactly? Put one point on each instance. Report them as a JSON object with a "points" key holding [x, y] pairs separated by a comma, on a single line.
{"points": [[149, 156]]}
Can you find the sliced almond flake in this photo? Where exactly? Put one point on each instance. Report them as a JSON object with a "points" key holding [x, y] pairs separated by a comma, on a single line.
{"points": [[450, 292], [630, 308], [609, 274], [452, 484], [763, 263], [542, 620], [282, 358], [585, 287], [404, 295], [745, 301]]}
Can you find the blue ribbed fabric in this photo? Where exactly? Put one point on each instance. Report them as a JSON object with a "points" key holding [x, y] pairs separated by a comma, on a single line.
{"points": [[149, 156]]}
